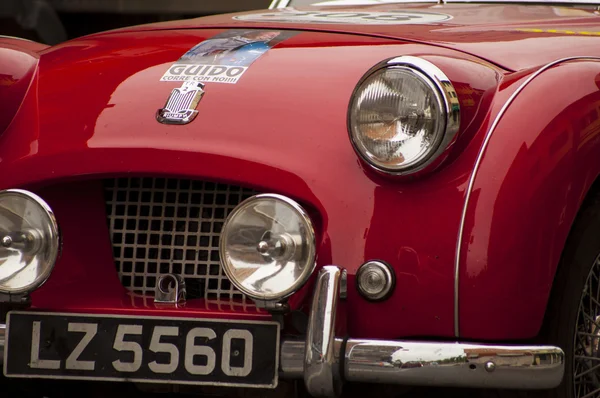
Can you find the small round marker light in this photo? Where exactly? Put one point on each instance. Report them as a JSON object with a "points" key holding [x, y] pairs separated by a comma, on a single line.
{"points": [[29, 241], [375, 280]]}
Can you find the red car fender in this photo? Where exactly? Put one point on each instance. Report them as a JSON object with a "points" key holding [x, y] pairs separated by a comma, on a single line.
{"points": [[18, 64], [534, 174]]}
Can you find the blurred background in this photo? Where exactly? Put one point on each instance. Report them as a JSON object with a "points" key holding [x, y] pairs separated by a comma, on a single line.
{"points": [[54, 21]]}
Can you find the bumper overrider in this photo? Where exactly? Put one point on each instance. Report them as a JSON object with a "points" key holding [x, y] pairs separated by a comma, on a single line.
{"points": [[325, 361]]}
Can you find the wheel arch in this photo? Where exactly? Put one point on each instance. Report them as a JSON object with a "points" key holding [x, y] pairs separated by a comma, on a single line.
{"points": [[538, 166]]}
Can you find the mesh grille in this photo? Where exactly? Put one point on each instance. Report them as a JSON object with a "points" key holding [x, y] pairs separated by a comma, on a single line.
{"points": [[168, 225]]}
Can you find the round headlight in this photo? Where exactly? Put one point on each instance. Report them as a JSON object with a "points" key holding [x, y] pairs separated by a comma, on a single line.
{"points": [[29, 241], [267, 247], [403, 114]]}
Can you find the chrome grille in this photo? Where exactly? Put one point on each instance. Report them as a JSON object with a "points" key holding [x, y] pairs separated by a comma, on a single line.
{"points": [[169, 225]]}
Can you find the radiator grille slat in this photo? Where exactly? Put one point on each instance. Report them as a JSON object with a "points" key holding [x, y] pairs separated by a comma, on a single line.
{"points": [[169, 225]]}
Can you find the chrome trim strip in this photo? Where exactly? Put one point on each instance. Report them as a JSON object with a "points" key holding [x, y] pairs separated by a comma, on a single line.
{"points": [[321, 375], [476, 168]]}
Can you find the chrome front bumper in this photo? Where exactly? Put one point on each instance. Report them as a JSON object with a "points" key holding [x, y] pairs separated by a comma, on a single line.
{"points": [[325, 362]]}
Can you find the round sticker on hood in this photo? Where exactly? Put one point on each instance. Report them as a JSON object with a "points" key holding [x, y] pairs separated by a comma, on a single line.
{"points": [[347, 17]]}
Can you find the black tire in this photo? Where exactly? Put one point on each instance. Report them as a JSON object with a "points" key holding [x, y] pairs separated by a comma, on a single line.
{"points": [[579, 257]]}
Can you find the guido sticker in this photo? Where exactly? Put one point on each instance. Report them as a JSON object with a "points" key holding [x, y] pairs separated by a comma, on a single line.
{"points": [[225, 57], [348, 17]]}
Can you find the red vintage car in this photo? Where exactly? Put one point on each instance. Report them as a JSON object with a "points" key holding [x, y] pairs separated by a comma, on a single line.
{"points": [[391, 193]]}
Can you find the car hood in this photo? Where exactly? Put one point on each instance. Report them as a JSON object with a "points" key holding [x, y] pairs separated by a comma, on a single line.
{"points": [[101, 94], [512, 36]]}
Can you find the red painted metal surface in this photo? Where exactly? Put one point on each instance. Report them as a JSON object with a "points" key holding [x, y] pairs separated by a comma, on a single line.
{"points": [[17, 68], [90, 114], [535, 173], [511, 35], [98, 119]]}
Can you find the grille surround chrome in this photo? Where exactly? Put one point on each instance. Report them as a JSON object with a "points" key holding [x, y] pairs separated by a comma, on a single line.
{"points": [[171, 225]]}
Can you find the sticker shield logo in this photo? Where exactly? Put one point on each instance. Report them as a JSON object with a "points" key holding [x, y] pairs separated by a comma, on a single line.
{"points": [[181, 105]]}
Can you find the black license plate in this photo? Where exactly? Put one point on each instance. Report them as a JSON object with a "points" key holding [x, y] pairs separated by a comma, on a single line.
{"points": [[142, 349]]}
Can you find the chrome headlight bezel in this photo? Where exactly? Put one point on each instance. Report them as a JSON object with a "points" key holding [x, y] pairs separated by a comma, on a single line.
{"points": [[54, 241], [447, 101], [311, 247]]}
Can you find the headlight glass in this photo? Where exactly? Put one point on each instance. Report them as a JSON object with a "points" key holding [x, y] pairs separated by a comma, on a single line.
{"points": [[268, 247], [398, 116], [29, 241]]}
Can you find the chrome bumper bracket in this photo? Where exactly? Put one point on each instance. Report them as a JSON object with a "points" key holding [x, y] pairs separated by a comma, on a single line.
{"points": [[321, 367]]}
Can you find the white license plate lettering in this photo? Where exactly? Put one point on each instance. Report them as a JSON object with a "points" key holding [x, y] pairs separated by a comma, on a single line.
{"points": [[36, 362], [246, 368], [130, 346], [192, 351], [169, 348], [90, 330]]}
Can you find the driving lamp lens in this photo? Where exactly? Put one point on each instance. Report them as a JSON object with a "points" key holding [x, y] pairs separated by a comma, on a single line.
{"points": [[267, 247], [29, 241], [397, 119]]}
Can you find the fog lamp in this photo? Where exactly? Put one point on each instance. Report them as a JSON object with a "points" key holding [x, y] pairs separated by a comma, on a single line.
{"points": [[267, 247], [29, 241], [375, 280]]}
